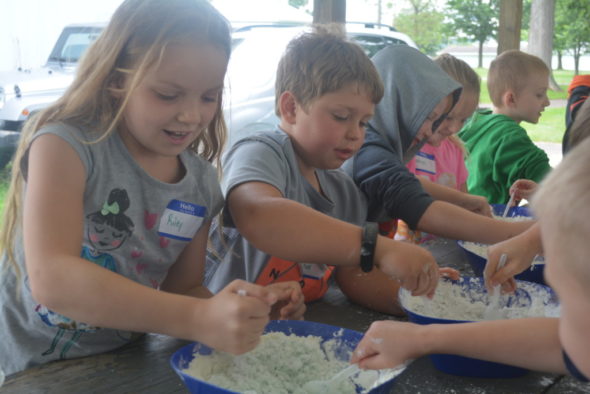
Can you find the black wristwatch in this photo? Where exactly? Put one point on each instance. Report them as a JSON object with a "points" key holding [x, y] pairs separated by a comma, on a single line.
{"points": [[370, 232]]}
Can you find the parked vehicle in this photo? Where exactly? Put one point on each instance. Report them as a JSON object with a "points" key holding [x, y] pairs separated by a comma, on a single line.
{"points": [[23, 92], [249, 99]]}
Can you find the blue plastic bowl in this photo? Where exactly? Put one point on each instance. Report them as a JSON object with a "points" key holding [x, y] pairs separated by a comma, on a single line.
{"points": [[474, 289], [478, 263], [498, 210], [348, 341]]}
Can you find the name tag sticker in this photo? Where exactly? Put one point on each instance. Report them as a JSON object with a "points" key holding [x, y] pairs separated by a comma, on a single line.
{"points": [[425, 163], [181, 220]]}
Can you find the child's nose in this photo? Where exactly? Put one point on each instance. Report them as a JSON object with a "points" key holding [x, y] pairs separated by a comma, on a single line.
{"points": [[190, 113], [355, 132]]}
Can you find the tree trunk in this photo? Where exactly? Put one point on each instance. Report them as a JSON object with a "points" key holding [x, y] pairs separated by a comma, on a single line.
{"points": [[480, 55], [559, 60], [327, 11], [541, 34], [509, 25]]}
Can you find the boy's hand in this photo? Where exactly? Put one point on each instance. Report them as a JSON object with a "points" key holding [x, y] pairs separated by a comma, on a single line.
{"points": [[476, 204], [290, 304], [237, 316], [412, 266], [387, 344]]}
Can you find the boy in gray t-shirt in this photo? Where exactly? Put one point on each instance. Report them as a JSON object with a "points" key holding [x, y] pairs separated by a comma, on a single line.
{"points": [[291, 213]]}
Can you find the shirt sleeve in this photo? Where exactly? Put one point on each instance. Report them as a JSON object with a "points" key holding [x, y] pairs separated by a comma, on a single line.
{"points": [[517, 157], [254, 159], [391, 189]]}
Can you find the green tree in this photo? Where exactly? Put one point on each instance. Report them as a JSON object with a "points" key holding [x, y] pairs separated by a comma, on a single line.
{"points": [[572, 29], [477, 20], [425, 28]]}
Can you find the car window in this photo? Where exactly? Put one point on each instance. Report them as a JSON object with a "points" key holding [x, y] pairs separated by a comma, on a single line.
{"points": [[374, 43], [72, 43], [390, 40], [253, 64]]}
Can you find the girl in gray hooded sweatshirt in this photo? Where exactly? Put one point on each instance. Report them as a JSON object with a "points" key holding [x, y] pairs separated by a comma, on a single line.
{"points": [[416, 89]]}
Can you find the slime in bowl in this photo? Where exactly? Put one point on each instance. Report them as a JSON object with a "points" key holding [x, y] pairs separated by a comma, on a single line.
{"points": [[466, 300], [291, 353]]}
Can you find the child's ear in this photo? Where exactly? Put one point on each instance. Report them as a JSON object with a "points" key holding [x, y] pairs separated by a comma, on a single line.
{"points": [[288, 107], [509, 98]]}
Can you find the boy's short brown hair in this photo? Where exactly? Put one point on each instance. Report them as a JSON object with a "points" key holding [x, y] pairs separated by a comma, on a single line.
{"points": [[509, 71], [324, 61]]}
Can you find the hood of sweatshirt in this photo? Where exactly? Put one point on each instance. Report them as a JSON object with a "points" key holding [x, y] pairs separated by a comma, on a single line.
{"points": [[414, 85]]}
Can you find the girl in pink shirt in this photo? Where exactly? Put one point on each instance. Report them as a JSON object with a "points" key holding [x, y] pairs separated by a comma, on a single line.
{"points": [[442, 158]]}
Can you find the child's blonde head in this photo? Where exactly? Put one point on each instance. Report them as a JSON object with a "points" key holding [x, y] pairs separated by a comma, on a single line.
{"points": [[510, 71], [562, 203], [461, 72], [322, 62], [133, 41]]}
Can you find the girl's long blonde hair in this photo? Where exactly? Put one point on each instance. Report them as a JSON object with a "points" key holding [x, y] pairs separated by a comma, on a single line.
{"points": [[132, 42], [461, 72]]}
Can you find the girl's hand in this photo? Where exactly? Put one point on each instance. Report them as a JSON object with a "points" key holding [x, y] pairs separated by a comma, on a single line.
{"points": [[290, 304], [449, 272], [522, 189], [237, 316], [411, 265], [387, 344]]}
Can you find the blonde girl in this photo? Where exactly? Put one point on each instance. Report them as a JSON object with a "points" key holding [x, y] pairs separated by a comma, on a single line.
{"points": [[441, 159], [112, 194]]}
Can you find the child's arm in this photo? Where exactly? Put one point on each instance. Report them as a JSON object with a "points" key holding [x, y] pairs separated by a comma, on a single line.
{"points": [[67, 284], [520, 250], [528, 343], [292, 231], [373, 290], [448, 220], [471, 202], [186, 277]]}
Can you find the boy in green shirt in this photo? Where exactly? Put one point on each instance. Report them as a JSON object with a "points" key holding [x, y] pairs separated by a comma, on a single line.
{"points": [[500, 151]]}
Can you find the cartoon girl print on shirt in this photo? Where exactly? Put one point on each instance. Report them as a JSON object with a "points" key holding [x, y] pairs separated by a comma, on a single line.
{"points": [[107, 229]]}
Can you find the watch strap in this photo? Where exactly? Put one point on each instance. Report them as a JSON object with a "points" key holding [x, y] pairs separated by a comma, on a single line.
{"points": [[369, 240]]}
